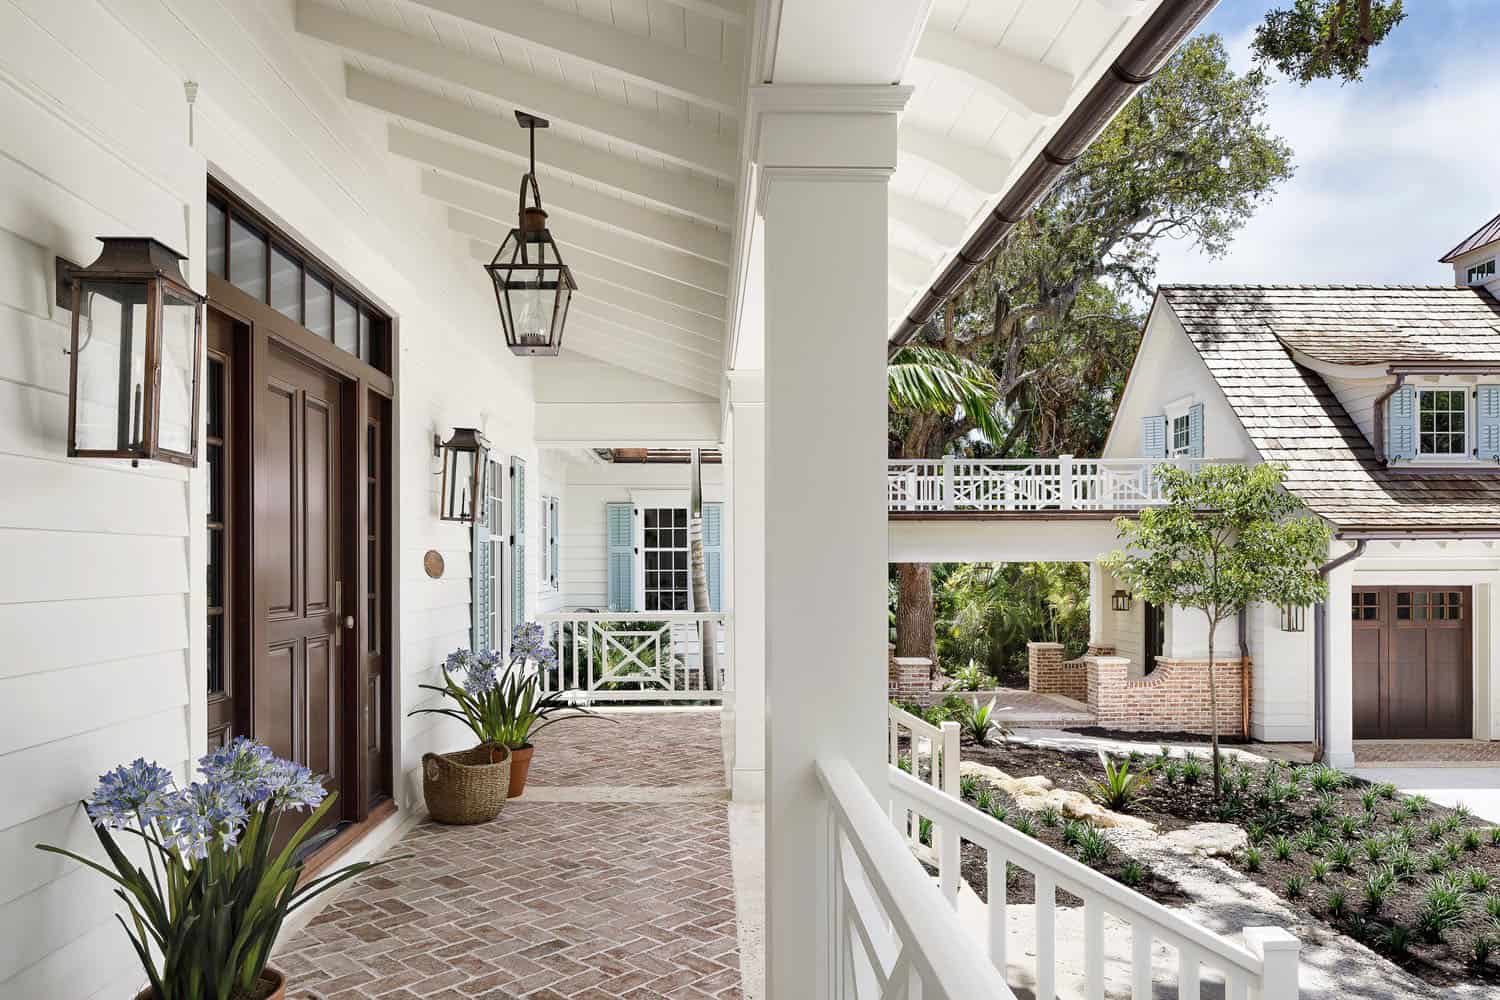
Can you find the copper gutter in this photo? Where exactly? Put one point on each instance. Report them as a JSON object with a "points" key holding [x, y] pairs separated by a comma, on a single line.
{"points": [[1136, 65]]}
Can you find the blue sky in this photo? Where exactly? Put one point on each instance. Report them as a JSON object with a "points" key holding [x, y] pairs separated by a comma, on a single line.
{"points": [[1391, 171]]}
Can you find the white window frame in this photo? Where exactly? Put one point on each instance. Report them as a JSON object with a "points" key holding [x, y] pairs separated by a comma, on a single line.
{"points": [[1479, 274], [551, 533], [641, 578], [1466, 394]]}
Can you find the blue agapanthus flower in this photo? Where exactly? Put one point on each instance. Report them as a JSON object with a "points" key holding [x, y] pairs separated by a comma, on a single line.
{"points": [[481, 675], [243, 765], [530, 643], [204, 813], [294, 786], [133, 794]]}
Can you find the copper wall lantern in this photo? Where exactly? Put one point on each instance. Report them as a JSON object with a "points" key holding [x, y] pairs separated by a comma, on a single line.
{"points": [[466, 460], [1120, 600], [532, 284], [136, 343], [1293, 618]]}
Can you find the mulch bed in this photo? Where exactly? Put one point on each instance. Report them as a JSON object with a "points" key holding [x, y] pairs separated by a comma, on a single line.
{"points": [[1393, 927]]}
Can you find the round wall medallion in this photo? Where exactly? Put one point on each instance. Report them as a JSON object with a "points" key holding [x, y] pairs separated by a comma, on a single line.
{"points": [[432, 562]]}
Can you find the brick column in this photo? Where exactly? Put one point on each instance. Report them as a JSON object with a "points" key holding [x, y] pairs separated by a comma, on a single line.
{"points": [[1043, 666]]}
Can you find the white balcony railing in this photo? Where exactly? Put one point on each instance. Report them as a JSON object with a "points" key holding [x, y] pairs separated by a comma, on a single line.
{"points": [[625, 656], [1264, 967], [1062, 483], [933, 754]]}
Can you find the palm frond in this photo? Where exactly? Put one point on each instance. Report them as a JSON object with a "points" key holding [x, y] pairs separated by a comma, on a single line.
{"points": [[928, 379]]}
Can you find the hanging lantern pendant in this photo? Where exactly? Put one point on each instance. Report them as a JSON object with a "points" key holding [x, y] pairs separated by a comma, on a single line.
{"points": [[532, 284]]}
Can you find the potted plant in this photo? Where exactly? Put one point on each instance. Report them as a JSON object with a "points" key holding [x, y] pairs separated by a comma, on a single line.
{"points": [[503, 704], [206, 910]]}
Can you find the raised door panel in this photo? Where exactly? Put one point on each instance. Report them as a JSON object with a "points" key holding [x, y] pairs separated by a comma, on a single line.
{"points": [[1368, 649], [275, 701], [276, 570], [322, 706], [1407, 703], [319, 529]]}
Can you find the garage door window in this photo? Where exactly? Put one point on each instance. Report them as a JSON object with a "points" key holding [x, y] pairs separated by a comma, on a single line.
{"points": [[1424, 605], [1367, 605]]}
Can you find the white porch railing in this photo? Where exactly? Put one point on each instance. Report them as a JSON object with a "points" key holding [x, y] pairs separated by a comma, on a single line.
{"points": [[1263, 968], [933, 753], [639, 656], [1062, 483]]}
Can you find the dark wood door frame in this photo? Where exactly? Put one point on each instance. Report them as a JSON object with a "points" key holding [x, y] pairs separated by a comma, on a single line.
{"points": [[1384, 616], [369, 395]]}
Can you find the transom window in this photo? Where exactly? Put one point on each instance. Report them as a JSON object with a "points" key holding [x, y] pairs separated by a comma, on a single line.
{"points": [[1366, 605], [665, 547], [1181, 435], [1424, 605], [1442, 427], [1480, 273]]}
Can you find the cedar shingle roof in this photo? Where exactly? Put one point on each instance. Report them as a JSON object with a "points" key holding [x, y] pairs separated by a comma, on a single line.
{"points": [[1483, 236], [1294, 418]]}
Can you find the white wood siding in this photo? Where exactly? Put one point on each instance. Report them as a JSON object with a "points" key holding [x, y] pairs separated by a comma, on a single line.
{"points": [[1357, 396]]}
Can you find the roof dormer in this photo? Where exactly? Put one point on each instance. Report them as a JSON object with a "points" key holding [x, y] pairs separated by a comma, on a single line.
{"points": [[1476, 261]]}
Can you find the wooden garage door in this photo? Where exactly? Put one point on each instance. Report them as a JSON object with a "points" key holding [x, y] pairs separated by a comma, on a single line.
{"points": [[1413, 663]]}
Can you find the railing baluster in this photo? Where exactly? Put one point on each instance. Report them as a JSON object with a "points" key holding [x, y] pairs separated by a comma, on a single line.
{"points": [[1189, 973], [1093, 947], [1236, 986], [1140, 961], [997, 864], [1046, 936]]}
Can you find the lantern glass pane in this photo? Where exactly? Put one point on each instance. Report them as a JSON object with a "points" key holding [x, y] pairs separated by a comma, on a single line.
{"points": [[247, 259], [531, 313], [286, 285], [459, 501], [345, 325], [215, 254], [179, 327], [109, 398]]}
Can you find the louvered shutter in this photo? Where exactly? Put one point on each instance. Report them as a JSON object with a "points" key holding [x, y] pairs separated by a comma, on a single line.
{"points": [[1195, 431], [1154, 437], [479, 571], [554, 533], [1400, 425], [620, 539], [1487, 423], [713, 553], [518, 544]]}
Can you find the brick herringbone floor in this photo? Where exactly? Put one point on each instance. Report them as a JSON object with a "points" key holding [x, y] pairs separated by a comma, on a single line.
{"points": [[579, 900]]}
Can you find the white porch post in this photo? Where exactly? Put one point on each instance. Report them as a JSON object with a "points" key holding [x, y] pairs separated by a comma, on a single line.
{"points": [[1097, 599], [1338, 664], [747, 414], [824, 156]]}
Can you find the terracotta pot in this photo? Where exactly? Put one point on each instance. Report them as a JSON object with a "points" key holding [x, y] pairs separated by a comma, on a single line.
{"points": [[520, 763], [270, 980]]}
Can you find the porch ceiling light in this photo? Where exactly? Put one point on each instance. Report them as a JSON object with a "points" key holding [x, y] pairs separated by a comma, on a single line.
{"points": [[136, 340], [1293, 618], [466, 460], [1120, 600], [532, 284]]}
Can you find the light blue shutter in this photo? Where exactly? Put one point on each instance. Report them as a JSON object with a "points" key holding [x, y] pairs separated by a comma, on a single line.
{"points": [[554, 532], [479, 569], [517, 543], [1154, 437], [620, 536], [1487, 422], [713, 554], [1195, 431], [1400, 425]]}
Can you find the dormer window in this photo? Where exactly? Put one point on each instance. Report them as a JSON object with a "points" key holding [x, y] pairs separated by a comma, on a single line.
{"points": [[1442, 424], [1481, 273]]}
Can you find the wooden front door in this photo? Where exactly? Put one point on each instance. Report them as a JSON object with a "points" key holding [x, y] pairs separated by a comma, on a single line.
{"points": [[300, 541], [1413, 662]]}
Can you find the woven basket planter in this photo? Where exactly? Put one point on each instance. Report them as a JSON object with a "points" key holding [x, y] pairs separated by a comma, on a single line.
{"points": [[466, 787]]}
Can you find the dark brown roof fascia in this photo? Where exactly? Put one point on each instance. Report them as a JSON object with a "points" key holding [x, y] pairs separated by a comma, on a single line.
{"points": [[1136, 65], [1416, 534], [1443, 368]]}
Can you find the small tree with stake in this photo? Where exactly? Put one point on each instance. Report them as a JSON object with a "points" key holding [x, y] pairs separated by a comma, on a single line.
{"points": [[1227, 536]]}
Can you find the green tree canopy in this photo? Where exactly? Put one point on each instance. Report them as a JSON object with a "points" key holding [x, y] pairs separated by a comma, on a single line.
{"points": [[1322, 39], [1226, 537]]}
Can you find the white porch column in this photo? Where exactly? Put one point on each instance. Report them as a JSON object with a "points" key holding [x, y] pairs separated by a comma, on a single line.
{"points": [[1098, 603], [1338, 664], [824, 156], [747, 415]]}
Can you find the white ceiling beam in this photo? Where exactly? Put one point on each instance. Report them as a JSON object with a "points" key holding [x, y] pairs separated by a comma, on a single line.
{"points": [[602, 348], [694, 148], [944, 228], [688, 194], [678, 266], [980, 169], [651, 340], [705, 327], [1025, 84], [640, 61], [488, 197]]}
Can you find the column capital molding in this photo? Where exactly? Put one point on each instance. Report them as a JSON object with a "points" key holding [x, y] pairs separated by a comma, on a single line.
{"points": [[828, 98]]}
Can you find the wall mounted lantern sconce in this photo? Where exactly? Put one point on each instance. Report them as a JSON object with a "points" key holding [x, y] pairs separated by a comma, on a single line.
{"points": [[466, 458], [136, 341], [1120, 600], [532, 284], [1293, 618]]}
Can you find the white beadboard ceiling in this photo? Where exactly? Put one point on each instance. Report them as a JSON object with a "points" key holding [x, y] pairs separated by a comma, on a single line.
{"points": [[640, 166]]}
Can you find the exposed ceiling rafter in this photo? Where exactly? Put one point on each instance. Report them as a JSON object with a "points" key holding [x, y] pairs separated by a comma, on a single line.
{"points": [[938, 225], [1019, 82], [695, 148], [980, 169]]}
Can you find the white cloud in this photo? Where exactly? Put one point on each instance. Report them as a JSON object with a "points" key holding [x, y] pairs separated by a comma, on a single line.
{"points": [[1390, 175]]}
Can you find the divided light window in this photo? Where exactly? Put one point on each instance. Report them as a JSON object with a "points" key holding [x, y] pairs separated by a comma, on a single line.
{"points": [[665, 547], [247, 251], [1181, 435], [1480, 273], [1441, 424]]}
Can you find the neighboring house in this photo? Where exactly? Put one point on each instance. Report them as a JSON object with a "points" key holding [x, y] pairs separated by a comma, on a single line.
{"points": [[1383, 404]]}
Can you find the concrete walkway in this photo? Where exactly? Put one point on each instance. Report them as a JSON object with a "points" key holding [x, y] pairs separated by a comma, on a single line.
{"points": [[611, 879], [1476, 787]]}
